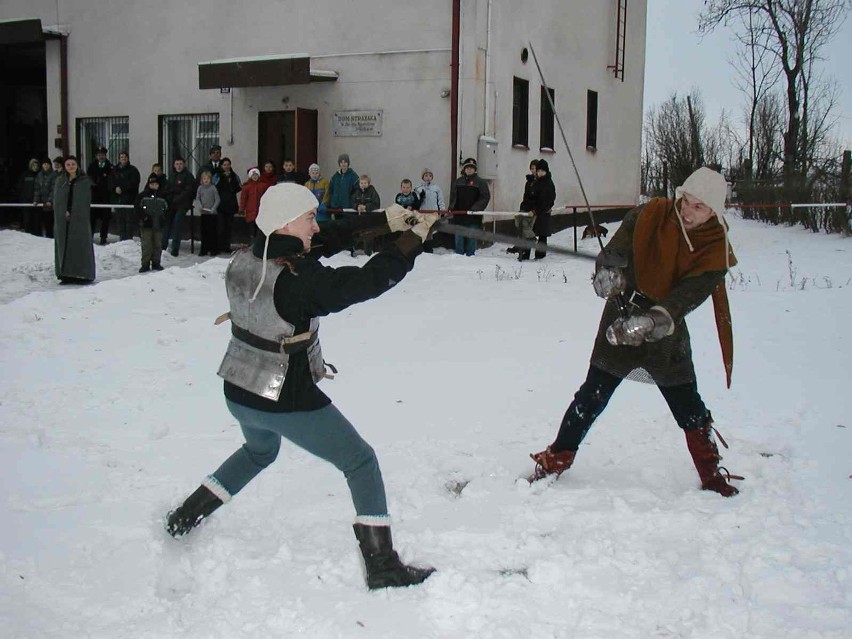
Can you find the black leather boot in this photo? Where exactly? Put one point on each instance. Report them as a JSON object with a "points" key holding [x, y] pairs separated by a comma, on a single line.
{"points": [[384, 568], [197, 506]]}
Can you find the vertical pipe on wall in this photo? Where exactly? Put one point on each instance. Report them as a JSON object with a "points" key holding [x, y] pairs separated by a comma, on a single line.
{"points": [[489, 124], [454, 88], [63, 94]]}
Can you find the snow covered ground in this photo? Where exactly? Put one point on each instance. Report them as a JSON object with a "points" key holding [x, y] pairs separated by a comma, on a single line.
{"points": [[111, 413]]}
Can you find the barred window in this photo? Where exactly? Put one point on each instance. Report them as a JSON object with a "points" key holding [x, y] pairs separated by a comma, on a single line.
{"points": [[189, 136], [591, 120], [110, 132], [520, 112], [546, 128]]}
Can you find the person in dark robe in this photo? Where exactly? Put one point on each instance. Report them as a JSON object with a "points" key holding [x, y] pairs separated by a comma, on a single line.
{"points": [[72, 204]]}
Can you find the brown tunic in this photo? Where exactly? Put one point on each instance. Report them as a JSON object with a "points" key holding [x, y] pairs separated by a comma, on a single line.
{"points": [[667, 362]]}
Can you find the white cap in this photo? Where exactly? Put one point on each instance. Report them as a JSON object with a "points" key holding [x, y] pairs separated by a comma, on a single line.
{"points": [[279, 205], [283, 203], [253, 171], [708, 186]]}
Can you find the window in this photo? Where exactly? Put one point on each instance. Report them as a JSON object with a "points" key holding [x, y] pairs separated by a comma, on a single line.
{"points": [[520, 112], [546, 129], [110, 132], [188, 136], [592, 120]]}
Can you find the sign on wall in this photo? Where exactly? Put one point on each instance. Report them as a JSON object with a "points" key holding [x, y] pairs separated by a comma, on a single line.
{"points": [[354, 123]]}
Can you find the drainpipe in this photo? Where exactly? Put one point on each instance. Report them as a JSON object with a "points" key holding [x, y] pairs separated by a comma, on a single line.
{"points": [[63, 95], [454, 89], [489, 125]]}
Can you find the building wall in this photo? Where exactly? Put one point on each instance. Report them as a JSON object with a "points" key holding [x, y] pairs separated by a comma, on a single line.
{"points": [[126, 59], [574, 42]]}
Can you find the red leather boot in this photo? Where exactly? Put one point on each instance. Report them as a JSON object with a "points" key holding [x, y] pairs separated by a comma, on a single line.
{"points": [[549, 463], [706, 457]]}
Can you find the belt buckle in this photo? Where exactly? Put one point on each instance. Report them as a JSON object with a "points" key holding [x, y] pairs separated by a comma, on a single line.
{"points": [[632, 298]]}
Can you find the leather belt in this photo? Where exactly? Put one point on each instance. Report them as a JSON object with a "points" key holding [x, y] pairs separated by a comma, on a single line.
{"points": [[288, 345], [635, 298]]}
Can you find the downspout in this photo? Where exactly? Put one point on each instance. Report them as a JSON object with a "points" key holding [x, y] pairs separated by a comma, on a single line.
{"points": [[63, 94], [489, 125], [454, 89]]}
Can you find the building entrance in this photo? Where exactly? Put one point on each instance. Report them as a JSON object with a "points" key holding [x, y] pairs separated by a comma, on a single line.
{"points": [[287, 134]]}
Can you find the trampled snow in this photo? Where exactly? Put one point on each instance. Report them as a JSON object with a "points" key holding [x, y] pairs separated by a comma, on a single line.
{"points": [[111, 413]]}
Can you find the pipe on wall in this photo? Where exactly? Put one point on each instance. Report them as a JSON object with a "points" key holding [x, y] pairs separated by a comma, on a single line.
{"points": [[454, 88], [63, 95]]}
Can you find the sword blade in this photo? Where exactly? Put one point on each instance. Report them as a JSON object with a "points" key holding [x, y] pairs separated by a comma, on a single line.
{"points": [[498, 238]]}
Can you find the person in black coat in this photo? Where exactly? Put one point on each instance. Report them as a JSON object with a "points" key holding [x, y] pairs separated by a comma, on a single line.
{"points": [[228, 186], [277, 291], [99, 171], [522, 222], [468, 193], [181, 188], [123, 188], [541, 200]]}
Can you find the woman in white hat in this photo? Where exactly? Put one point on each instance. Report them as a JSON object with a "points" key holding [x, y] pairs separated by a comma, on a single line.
{"points": [[277, 291], [666, 259]]}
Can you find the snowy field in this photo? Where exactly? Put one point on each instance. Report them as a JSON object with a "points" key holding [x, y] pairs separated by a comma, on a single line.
{"points": [[111, 413]]}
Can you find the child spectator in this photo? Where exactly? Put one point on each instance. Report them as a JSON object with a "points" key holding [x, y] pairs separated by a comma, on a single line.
{"points": [[407, 198], [291, 173], [206, 206], [431, 196], [43, 194], [342, 183], [268, 176], [151, 209], [318, 185], [250, 196], [364, 198]]}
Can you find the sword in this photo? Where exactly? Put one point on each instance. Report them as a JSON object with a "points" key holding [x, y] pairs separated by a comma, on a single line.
{"points": [[443, 226]]}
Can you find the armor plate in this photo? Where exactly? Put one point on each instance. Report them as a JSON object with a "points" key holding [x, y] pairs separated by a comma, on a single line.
{"points": [[254, 369]]}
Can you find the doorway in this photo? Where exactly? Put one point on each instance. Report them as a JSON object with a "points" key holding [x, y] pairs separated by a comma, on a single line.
{"points": [[23, 113], [287, 134]]}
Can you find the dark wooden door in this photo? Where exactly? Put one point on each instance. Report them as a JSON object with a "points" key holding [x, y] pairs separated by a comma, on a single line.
{"points": [[306, 138], [276, 137]]}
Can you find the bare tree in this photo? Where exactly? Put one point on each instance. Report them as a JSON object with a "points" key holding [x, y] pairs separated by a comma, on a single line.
{"points": [[796, 31], [768, 137], [756, 71], [675, 137]]}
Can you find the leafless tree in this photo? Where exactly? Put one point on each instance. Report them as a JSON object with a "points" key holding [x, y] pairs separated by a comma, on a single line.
{"points": [[674, 136], [796, 31], [755, 68]]}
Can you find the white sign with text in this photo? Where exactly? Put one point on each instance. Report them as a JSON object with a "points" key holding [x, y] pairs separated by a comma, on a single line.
{"points": [[353, 123]]}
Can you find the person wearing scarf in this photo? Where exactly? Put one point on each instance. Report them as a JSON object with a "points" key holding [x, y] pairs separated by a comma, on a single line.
{"points": [[665, 260]]}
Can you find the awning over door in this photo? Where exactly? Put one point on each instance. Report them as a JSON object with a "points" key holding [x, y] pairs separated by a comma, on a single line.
{"points": [[22, 31], [261, 71]]}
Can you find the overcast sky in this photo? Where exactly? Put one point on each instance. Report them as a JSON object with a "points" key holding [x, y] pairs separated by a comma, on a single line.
{"points": [[678, 58]]}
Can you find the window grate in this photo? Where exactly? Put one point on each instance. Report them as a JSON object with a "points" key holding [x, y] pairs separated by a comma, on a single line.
{"points": [[111, 132], [189, 136], [520, 112], [591, 119], [546, 129]]}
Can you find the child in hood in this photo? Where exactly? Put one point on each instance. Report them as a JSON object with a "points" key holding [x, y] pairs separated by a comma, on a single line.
{"points": [[151, 209], [250, 196]]}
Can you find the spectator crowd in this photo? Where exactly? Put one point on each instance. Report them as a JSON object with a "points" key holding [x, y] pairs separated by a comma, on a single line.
{"points": [[216, 194]]}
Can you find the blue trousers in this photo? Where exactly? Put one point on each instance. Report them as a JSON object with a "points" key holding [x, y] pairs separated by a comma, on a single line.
{"points": [[325, 433], [173, 233], [592, 397], [465, 245]]}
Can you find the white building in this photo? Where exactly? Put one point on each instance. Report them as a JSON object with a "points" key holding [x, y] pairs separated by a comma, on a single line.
{"points": [[398, 86]]}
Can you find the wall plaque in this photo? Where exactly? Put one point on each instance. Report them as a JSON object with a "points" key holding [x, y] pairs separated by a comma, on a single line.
{"points": [[354, 123]]}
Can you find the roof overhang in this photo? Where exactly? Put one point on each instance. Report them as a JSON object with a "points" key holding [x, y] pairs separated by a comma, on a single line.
{"points": [[261, 71], [29, 31], [23, 31]]}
